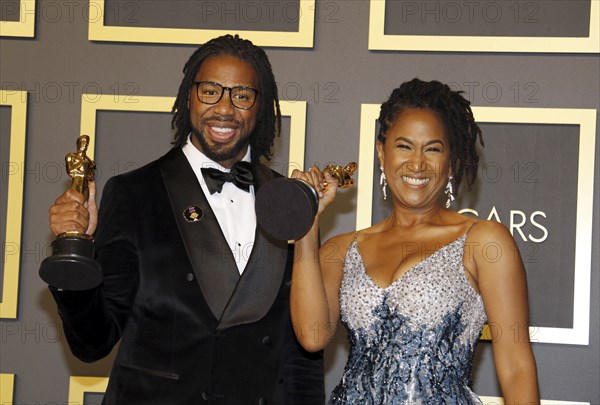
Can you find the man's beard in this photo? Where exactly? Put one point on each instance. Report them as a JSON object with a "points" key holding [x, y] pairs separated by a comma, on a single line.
{"points": [[219, 152]]}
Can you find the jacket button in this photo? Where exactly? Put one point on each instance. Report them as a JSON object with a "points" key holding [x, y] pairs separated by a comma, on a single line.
{"points": [[205, 396], [267, 340], [189, 277], [262, 401]]}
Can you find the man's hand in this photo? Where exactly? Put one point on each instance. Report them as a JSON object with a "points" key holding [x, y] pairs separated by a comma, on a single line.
{"points": [[71, 212]]}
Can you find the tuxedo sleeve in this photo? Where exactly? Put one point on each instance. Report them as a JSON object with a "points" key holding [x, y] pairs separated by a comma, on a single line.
{"points": [[93, 320], [304, 375]]}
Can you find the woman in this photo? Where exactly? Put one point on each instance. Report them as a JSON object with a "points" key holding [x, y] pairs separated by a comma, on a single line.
{"points": [[415, 289]]}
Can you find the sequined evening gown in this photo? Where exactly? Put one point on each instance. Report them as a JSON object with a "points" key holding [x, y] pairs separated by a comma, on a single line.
{"points": [[411, 343]]}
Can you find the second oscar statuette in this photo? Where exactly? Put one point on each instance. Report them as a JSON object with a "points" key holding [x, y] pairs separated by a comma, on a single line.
{"points": [[286, 208]]}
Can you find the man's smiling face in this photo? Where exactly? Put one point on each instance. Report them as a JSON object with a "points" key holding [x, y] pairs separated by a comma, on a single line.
{"points": [[222, 131]]}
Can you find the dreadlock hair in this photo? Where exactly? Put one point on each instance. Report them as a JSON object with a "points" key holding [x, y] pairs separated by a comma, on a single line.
{"points": [[269, 114], [456, 115]]}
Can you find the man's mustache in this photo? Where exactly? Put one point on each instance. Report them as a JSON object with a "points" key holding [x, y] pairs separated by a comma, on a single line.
{"points": [[205, 121]]}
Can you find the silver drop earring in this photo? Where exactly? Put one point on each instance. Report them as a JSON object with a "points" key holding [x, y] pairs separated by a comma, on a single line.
{"points": [[383, 183], [448, 192]]}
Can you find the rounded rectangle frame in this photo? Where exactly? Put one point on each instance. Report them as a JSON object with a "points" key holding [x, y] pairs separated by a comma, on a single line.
{"points": [[303, 38], [7, 388], [17, 100], [379, 41], [79, 385], [91, 103], [25, 27]]}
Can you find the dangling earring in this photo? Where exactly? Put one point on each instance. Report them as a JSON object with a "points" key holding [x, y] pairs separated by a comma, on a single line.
{"points": [[383, 183], [448, 192]]}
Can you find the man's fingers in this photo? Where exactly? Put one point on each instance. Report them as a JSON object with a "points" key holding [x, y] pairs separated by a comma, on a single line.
{"points": [[69, 213], [70, 196], [92, 210]]}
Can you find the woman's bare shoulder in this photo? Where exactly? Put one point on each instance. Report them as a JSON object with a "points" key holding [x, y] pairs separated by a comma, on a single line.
{"points": [[341, 241], [485, 231]]}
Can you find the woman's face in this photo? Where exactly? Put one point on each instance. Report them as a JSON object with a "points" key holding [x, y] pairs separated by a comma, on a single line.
{"points": [[415, 158]]}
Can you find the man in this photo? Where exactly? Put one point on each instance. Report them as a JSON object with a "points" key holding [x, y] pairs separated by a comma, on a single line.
{"points": [[200, 320]]}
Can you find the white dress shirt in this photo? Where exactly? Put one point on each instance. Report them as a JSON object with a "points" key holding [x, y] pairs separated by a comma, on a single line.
{"points": [[233, 207]]}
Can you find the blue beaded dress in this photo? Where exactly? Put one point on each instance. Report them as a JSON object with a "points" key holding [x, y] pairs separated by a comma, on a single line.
{"points": [[411, 343]]}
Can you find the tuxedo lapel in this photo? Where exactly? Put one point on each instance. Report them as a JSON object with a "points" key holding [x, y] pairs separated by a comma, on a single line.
{"points": [[209, 253], [261, 280]]}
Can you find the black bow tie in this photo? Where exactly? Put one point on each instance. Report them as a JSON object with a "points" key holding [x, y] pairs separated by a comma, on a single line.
{"points": [[240, 175]]}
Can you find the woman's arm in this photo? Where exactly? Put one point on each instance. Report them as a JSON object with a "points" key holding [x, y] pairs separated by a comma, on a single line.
{"points": [[503, 286], [317, 274]]}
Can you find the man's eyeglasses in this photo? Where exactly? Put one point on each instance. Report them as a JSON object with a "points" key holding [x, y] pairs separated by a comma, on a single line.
{"points": [[241, 97]]}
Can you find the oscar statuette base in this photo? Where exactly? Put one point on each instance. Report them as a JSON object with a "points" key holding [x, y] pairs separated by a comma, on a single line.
{"points": [[72, 266], [286, 208]]}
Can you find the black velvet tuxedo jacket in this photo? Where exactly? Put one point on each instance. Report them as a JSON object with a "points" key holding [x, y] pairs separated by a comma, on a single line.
{"points": [[192, 330]]}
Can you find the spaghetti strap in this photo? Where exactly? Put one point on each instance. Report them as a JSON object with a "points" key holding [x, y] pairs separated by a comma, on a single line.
{"points": [[471, 227]]}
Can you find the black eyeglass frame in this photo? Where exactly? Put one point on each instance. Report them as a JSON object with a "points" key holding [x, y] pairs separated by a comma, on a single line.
{"points": [[257, 92]]}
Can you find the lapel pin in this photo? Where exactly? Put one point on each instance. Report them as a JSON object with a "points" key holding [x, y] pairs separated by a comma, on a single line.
{"points": [[193, 214]]}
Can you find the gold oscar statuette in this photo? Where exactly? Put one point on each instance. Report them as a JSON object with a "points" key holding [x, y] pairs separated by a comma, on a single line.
{"points": [[71, 266], [342, 174]]}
